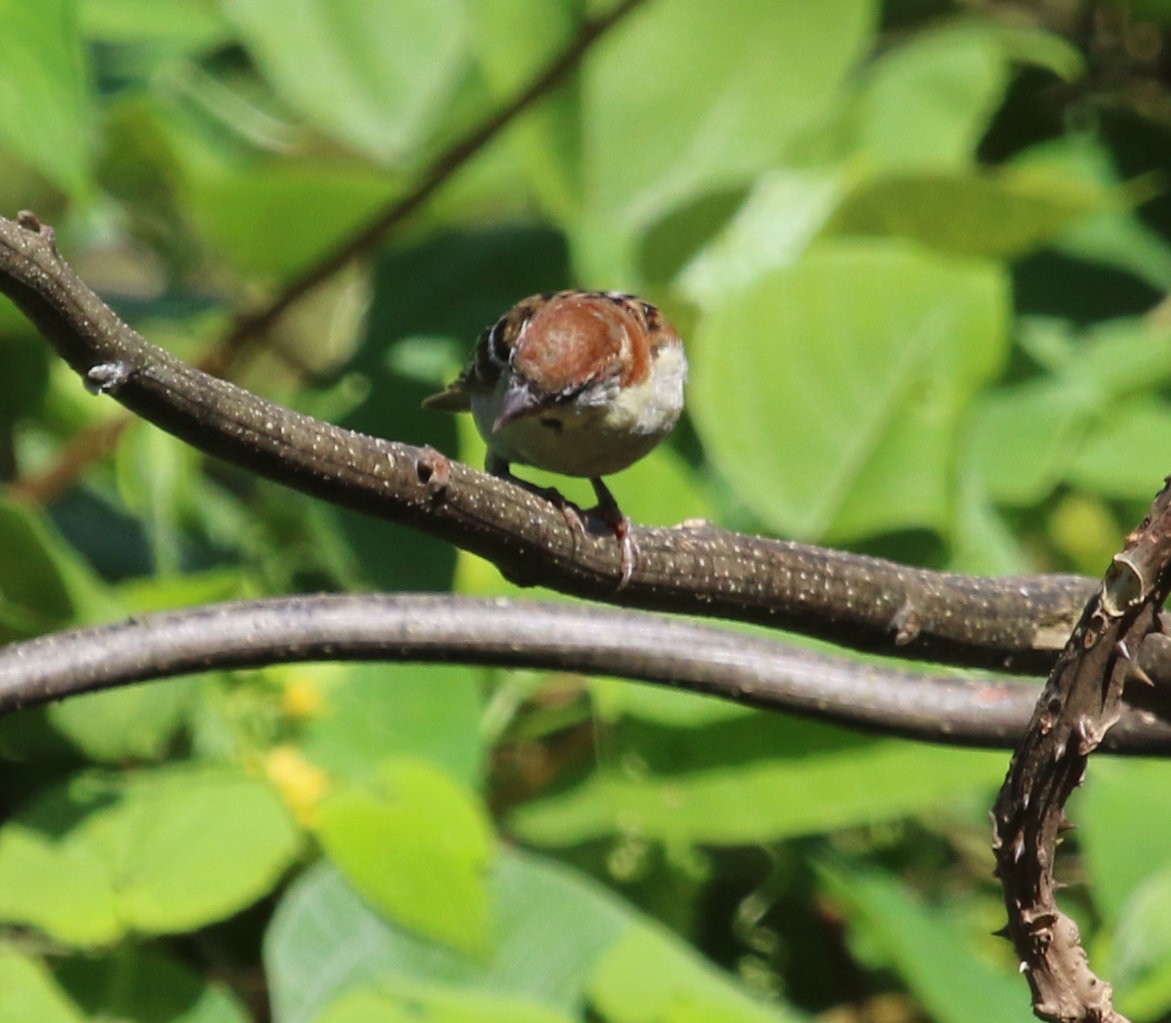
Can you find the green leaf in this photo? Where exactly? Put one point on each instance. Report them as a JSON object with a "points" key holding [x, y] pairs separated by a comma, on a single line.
{"points": [[26, 374], [390, 1004], [616, 698], [1023, 438], [547, 140], [810, 788], [59, 886], [1129, 875], [28, 991], [555, 930], [157, 474], [1003, 215], [782, 215], [379, 710], [144, 986], [930, 952], [687, 97], [646, 978], [373, 74], [1046, 50], [1089, 421], [927, 103], [44, 584], [1119, 802], [256, 214], [324, 940], [1115, 236], [1085, 530], [43, 91], [1117, 358], [187, 22], [1141, 960], [132, 722], [864, 357], [418, 847], [1125, 455], [156, 851], [983, 543]]}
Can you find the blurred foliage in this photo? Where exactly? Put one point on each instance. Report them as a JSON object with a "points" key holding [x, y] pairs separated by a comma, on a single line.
{"points": [[919, 249]]}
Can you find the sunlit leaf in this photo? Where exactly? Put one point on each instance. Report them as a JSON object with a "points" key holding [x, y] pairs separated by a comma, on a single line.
{"points": [[1121, 801], [836, 387], [646, 978], [1142, 948], [414, 1004], [326, 946], [373, 711], [28, 991], [154, 851], [43, 91], [687, 97], [547, 141], [257, 215], [783, 214], [325, 939], [371, 73], [418, 847], [810, 790], [926, 104]]}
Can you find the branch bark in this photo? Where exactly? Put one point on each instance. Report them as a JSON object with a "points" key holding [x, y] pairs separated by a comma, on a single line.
{"points": [[1015, 624], [752, 670], [1080, 703]]}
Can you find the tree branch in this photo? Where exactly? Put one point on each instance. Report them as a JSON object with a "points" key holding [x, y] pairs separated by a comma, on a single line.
{"points": [[1080, 702], [1014, 624], [752, 670]]}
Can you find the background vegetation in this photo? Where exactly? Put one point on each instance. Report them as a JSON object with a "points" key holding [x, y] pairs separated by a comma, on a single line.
{"points": [[918, 250]]}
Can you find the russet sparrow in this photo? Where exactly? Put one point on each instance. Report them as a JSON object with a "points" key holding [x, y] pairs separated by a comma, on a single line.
{"points": [[582, 383]]}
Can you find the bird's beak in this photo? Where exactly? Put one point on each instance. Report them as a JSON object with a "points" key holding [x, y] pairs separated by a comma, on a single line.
{"points": [[518, 402]]}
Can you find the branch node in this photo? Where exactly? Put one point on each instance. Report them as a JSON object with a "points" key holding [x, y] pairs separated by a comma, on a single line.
{"points": [[906, 624], [433, 470], [107, 377], [31, 222]]}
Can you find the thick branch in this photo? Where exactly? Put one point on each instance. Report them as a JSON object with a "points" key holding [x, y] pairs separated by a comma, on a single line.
{"points": [[752, 670], [1016, 624], [1080, 702]]}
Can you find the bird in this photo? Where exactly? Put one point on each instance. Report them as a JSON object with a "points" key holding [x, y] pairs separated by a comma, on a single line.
{"points": [[579, 383]]}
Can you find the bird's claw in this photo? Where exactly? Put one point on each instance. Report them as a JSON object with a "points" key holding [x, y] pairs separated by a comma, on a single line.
{"points": [[609, 512], [629, 552]]}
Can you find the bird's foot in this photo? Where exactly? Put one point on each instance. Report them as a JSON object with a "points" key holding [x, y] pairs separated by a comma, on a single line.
{"points": [[571, 512], [608, 511]]}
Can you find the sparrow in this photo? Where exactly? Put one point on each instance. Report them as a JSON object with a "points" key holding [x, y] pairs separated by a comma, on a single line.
{"points": [[581, 383]]}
